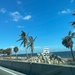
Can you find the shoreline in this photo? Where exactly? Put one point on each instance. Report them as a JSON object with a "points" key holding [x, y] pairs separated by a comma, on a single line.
{"points": [[66, 61]]}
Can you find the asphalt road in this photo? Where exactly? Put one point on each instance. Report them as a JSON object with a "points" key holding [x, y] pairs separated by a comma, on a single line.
{"points": [[6, 71]]}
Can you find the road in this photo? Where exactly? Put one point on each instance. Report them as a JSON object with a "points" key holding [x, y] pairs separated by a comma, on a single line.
{"points": [[6, 71]]}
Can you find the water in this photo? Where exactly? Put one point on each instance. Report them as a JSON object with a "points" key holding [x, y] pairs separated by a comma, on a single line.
{"points": [[65, 54]]}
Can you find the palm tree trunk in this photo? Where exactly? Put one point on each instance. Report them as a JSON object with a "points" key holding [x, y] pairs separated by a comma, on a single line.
{"points": [[72, 53], [26, 53], [31, 53], [32, 50], [16, 56]]}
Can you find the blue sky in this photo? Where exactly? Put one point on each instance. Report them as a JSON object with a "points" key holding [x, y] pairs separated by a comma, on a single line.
{"points": [[47, 19]]}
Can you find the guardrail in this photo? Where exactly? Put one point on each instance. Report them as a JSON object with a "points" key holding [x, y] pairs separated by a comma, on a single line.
{"points": [[38, 68]]}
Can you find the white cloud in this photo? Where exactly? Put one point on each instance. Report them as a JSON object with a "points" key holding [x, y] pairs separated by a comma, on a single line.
{"points": [[27, 17], [12, 46], [37, 47], [17, 16], [72, 1], [65, 11], [19, 2], [20, 26], [2, 10]]}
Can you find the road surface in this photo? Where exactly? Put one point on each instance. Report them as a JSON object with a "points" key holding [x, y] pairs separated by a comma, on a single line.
{"points": [[6, 71]]}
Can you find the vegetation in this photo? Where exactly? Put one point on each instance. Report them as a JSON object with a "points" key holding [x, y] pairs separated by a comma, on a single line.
{"points": [[1, 51], [23, 37], [31, 43], [27, 41], [68, 43], [6, 52], [16, 50]]}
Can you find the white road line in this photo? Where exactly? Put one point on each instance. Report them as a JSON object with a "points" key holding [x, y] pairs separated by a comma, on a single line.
{"points": [[7, 71]]}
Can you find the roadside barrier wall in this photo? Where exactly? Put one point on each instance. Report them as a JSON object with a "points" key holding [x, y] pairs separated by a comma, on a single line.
{"points": [[46, 69], [6, 63], [38, 69], [23, 67]]}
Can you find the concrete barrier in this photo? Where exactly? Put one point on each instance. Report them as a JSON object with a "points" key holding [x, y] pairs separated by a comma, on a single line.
{"points": [[0, 62], [23, 67], [45, 69], [39, 69], [6, 63]]}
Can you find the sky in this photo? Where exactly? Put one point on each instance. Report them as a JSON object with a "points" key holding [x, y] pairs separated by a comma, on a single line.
{"points": [[49, 20]]}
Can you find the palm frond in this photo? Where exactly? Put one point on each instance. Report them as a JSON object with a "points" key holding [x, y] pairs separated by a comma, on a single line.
{"points": [[73, 14], [67, 41], [30, 39], [23, 34], [22, 42], [18, 40], [35, 38], [28, 45], [69, 33], [62, 38], [72, 24], [73, 35]]}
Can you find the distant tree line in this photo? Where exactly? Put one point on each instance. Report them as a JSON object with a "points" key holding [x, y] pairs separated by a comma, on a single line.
{"points": [[8, 51]]}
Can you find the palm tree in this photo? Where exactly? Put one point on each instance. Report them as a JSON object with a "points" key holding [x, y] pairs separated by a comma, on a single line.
{"points": [[23, 37], [16, 50], [67, 41], [31, 43]]}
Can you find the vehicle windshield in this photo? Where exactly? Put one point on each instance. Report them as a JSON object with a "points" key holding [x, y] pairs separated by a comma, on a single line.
{"points": [[37, 33]]}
